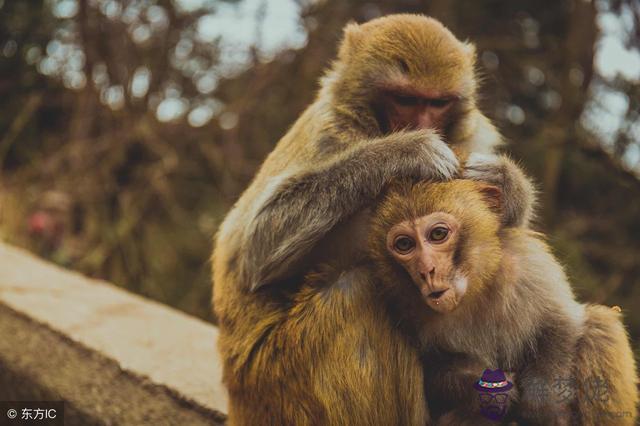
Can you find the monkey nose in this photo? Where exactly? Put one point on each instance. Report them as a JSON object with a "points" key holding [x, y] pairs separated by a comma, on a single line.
{"points": [[425, 120], [427, 273]]}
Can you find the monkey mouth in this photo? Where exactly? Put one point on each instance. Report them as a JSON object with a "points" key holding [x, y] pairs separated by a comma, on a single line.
{"points": [[435, 295], [442, 301]]}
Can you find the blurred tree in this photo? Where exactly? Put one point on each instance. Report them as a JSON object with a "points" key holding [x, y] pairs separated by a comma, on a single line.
{"points": [[150, 117]]}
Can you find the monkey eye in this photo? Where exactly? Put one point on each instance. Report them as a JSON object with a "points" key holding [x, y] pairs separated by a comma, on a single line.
{"points": [[439, 103], [403, 244], [438, 234], [406, 100]]}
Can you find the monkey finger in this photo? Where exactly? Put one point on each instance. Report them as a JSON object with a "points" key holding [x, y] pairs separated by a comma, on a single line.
{"points": [[440, 161], [484, 167]]}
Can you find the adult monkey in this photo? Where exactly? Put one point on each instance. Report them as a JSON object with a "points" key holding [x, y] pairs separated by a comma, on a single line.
{"points": [[325, 353]]}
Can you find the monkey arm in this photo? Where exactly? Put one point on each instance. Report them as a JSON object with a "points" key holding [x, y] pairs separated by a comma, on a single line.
{"points": [[552, 361], [304, 207], [518, 193], [453, 376]]}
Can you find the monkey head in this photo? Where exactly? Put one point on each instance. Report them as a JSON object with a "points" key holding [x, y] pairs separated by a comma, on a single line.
{"points": [[405, 72], [425, 248], [437, 242]]}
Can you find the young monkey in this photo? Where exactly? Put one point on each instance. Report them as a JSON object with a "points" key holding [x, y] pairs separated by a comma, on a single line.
{"points": [[476, 295]]}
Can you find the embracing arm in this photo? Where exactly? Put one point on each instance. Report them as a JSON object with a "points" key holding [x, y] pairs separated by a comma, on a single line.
{"points": [[300, 209], [518, 193], [545, 373]]}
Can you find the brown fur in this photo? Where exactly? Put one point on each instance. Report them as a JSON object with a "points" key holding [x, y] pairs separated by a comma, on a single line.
{"points": [[603, 354], [519, 314], [331, 358], [290, 351]]}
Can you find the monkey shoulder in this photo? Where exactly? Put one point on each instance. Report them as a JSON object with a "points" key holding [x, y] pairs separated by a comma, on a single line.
{"points": [[480, 135], [531, 259], [541, 291]]}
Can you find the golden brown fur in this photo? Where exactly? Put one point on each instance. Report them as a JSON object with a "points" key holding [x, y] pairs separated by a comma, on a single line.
{"points": [[332, 358], [519, 314], [290, 350], [605, 371]]}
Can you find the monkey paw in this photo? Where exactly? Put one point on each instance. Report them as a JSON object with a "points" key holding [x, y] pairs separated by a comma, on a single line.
{"points": [[439, 161], [518, 192], [486, 168]]}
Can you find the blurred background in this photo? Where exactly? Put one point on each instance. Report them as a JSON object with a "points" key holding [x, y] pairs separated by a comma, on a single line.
{"points": [[129, 127]]}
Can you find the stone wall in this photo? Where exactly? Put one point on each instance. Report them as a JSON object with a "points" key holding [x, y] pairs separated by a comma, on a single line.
{"points": [[113, 357]]}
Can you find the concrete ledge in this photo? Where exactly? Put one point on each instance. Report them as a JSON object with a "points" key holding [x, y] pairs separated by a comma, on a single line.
{"points": [[113, 357]]}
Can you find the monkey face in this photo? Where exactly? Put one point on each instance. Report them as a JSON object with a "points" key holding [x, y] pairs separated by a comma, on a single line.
{"points": [[425, 247], [441, 237], [407, 108]]}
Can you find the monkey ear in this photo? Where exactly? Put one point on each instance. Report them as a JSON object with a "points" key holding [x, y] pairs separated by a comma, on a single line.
{"points": [[492, 195], [351, 40]]}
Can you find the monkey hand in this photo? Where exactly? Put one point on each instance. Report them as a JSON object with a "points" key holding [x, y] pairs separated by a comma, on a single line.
{"points": [[426, 156], [518, 193]]}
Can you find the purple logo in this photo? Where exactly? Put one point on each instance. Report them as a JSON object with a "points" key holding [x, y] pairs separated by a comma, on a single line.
{"points": [[493, 391]]}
